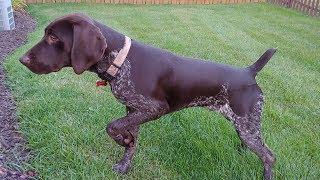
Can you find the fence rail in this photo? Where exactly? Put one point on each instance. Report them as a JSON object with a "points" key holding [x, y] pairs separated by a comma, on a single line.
{"points": [[311, 7], [149, 1]]}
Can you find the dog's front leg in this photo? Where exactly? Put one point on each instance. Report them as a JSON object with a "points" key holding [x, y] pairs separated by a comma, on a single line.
{"points": [[125, 163], [125, 132]]}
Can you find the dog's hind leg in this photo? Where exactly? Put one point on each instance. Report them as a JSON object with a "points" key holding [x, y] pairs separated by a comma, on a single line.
{"points": [[243, 107], [248, 128]]}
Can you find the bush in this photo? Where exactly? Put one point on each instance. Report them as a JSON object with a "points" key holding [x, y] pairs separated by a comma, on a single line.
{"points": [[19, 4]]}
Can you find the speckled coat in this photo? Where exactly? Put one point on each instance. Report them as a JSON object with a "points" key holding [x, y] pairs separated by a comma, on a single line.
{"points": [[153, 82]]}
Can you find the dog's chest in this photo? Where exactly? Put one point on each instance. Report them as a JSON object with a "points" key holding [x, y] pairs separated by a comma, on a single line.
{"points": [[124, 90], [122, 86]]}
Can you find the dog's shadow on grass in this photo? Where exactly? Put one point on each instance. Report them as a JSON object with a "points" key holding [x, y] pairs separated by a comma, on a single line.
{"points": [[198, 143]]}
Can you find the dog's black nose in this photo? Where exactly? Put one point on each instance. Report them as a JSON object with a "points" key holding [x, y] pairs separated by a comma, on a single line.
{"points": [[25, 60]]}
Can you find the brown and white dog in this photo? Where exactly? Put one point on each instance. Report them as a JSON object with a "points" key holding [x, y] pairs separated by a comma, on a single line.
{"points": [[152, 82]]}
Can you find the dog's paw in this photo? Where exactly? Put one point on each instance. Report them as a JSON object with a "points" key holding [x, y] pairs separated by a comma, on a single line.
{"points": [[122, 167]]}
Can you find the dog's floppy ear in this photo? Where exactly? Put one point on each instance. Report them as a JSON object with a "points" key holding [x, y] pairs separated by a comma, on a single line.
{"points": [[88, 43]]}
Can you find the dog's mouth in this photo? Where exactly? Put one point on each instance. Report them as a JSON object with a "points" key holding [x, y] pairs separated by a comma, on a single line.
{"points": [[56, 69], [39, 68], [39, 71]]}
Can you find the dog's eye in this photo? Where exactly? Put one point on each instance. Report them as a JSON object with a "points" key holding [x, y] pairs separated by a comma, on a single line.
{"points": [[53, 38]]}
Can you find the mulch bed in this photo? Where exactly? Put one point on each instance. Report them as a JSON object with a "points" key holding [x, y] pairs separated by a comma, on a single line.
{"points": [[13, 151]]}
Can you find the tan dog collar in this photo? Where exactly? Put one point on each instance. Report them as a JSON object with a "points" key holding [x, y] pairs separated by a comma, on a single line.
{"points": [[119, 60]]}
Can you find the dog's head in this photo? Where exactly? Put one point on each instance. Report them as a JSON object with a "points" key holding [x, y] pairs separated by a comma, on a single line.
{"points": [[69, 41]]}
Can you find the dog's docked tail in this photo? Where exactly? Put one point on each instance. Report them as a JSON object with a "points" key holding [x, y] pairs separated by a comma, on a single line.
{"points": [[262, 61]]}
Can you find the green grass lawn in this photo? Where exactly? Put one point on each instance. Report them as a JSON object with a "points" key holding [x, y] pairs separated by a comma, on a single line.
{"points": [[63, 116]]}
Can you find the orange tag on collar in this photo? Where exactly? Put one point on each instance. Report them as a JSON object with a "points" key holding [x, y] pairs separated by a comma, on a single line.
{"points": [[101, 83]]}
